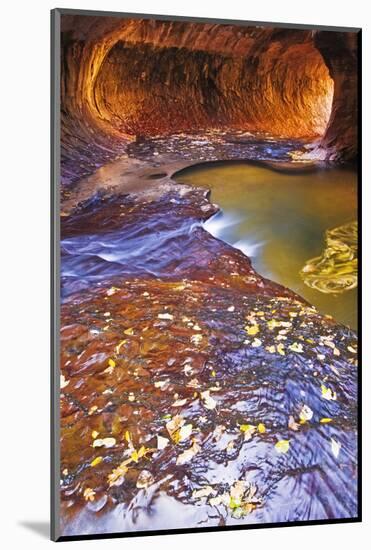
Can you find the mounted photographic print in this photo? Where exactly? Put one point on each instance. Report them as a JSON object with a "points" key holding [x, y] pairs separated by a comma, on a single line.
{"points": [[205, 194]]}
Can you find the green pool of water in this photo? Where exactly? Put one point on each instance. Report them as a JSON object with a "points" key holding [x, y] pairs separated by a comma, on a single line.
{"points": [[279, 220]]}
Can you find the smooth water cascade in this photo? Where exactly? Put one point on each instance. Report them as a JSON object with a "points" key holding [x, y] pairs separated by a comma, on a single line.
{"points": [[279, 220]]}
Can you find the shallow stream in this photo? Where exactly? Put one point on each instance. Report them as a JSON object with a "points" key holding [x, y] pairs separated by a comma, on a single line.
{"points": [[279, 220]]}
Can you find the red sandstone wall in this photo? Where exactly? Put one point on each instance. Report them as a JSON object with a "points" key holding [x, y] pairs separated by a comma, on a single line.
{"points": [[123, 77]]}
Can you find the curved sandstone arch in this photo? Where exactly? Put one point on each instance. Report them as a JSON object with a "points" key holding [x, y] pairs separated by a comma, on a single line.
{"points": [[122, 78]]}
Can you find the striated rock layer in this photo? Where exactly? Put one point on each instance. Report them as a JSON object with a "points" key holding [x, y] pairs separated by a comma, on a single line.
{"points": [[121, 78], [194, 392]]}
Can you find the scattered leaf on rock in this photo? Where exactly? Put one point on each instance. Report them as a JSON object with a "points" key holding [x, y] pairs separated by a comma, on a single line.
{"points": [[179, 403], [96, 461], [165, 316], [282, 446], [196, 339], [162, 442], [208, 401], [89, 494], [145, 479], [248, 430], [107, 442], [116, 477], [327, 393], [173, 427], [298, 348], [306, 413], [251, 331], [64, 382], [335, 447], [256, 343]]}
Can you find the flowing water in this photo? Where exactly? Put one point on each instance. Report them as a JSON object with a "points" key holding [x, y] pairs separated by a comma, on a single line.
{"points": [[279, 220], [159, 318]]}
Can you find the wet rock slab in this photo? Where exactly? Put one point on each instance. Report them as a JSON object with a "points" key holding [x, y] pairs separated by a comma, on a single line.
{"points": [[200, 393]]}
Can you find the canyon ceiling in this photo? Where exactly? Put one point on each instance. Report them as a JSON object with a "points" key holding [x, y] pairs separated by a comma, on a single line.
{"points": [[122, 78]]}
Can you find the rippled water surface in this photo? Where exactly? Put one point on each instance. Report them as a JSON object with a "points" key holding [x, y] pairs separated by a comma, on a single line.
{"points": [[279, 220]]}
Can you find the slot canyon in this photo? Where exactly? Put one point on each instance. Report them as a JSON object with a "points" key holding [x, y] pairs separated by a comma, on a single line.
{"points": [[123, 79], [208, 364]]}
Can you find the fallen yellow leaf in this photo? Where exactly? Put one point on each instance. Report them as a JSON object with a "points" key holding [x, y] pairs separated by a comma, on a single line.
{"points": [[298, 348], [248, 430], [89, 494], [116, 477], [96, 461], [118, 347], [282, 446], [327, 393], [134, 456], [281, 349], [251, 331]]}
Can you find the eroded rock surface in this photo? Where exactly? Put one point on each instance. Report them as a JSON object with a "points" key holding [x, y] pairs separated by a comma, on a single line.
{"points": [[202, 394], [122, 78], [193, 391]]}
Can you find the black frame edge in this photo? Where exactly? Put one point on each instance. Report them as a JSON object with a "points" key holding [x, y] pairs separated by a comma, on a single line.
{"points": [[54, 279], [195, 19]]}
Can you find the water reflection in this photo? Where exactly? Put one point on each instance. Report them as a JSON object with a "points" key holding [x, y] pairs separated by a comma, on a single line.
{"points": [[280, 220]]}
